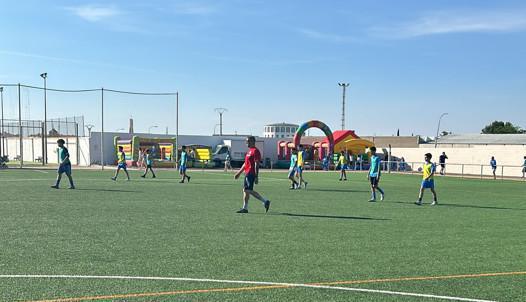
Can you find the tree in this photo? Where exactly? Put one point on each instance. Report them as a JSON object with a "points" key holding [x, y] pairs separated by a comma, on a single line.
{"points": [[499, 127]]}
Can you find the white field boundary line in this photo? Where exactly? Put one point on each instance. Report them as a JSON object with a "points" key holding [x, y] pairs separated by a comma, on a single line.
{"points": [[363, 290]]}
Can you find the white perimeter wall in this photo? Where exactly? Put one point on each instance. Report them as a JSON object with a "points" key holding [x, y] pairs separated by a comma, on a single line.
{"points": [[32, 149], [509, 158]]}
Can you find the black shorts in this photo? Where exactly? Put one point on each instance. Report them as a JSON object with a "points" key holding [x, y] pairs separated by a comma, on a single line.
{"points": [[374, 180], [443, 165], [248, 184]]}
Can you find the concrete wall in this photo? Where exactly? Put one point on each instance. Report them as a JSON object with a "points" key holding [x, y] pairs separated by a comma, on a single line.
{"points": [[32, 149], [471, 159]]}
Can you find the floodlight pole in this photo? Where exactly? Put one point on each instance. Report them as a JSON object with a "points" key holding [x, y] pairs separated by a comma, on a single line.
{"points": [[44, 137], [438, 128], [221, 111], [344, 86]]}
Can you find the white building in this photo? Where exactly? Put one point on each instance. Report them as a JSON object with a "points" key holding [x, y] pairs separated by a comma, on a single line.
{"points": [[280, 130]]}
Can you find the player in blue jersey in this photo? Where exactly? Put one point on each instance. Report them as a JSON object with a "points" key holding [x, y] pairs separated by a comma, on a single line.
{"points": [[64, 165], [149, 164], [292, 169], [374, 175], [182, 165]]}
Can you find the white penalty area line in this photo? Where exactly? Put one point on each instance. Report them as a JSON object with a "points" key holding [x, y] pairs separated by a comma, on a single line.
{"points": [[301, 285]]}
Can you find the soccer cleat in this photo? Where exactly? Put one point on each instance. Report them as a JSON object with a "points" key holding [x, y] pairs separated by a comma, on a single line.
{"points": [[143, 176], [372, 200], [267, 205], [181, 181], [434, 203], [242, 211], [418, 203], [55, 187], [340, 179], [72, 188], [114, 178], [292, 188], [305, 185], [382, 196], [154, 176], [188, 178]]}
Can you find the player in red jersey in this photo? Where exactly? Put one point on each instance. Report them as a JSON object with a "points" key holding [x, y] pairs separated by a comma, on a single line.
{"points": [[251, 169]]}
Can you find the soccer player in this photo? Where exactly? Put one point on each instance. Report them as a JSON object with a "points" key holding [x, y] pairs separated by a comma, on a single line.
{"points": [[149, 162], [182, 165], [428, 181], [342, 160], [64, 165], [228, 162], [524, 167], [374, 175], [300, 166], [121, 164], [442, 160], [292, 170], [251, 169], [493, 164]]}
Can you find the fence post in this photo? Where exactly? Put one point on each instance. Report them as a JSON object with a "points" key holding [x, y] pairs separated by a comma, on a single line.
{"points": [[44, 145], [20, 136], [502, 173], [481, 169], [462, 170], [102, 129], [78, 141]]}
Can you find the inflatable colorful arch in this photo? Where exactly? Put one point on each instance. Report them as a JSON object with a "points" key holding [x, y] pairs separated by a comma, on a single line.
{"points": [[315, 124]]}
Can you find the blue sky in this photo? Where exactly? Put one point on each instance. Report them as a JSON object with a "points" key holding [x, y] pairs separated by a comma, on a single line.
{"points": [[272, 61]]}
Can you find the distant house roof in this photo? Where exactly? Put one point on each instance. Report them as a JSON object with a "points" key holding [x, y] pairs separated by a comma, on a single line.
{"points": [[483, 139], [282, 124]]}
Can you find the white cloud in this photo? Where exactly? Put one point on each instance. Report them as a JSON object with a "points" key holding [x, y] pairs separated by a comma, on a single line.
{"points": [[95, 13], [330, 37], [445, 22]]}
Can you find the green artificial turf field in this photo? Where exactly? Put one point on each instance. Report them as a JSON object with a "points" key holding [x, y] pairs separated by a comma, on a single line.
{"points": [[328, 235]]}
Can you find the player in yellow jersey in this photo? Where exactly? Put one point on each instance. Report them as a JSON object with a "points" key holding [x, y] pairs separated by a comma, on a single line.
{"points": [[344, 165], [300, 166], [428, 182], [121, 164]]}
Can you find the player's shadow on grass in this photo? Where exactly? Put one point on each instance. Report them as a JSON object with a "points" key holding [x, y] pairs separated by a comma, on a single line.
{"points": [[327, 216], [109, 190], [477, 207], [339, 190], [465, 206]]}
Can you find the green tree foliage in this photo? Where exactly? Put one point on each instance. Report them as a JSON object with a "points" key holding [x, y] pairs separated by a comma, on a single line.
{"points": [[499, 127]]}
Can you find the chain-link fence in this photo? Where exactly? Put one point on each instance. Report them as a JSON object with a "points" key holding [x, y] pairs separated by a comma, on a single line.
{"points": [[26, 112]]}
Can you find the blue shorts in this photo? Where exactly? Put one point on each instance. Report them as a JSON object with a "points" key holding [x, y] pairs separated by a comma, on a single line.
{"points": [[64, 169], [122, 166], [248, 184], [428, 184], [374, 180], [182, 169], [299, 169], [292, 171], [345, 167]]}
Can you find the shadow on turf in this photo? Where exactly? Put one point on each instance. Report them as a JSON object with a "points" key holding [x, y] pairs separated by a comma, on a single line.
{"points": [[339, 190], [109, 190], [322, 216], [465, 206]]}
